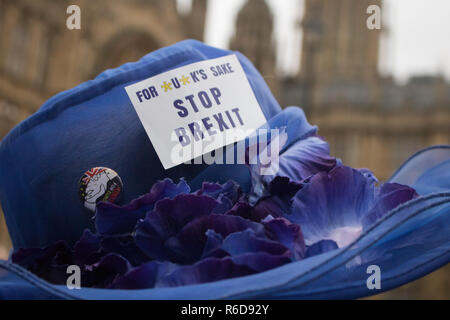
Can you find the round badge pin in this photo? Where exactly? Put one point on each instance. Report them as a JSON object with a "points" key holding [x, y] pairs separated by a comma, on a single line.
{"points": [[99, 184]]}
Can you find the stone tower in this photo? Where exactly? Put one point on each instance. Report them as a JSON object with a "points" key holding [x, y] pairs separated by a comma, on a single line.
{"points": [[195, 20], [337, 43], [253, 38]]}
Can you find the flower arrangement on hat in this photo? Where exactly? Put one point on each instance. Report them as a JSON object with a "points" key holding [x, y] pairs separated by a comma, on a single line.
{"points": [[175, 236]]}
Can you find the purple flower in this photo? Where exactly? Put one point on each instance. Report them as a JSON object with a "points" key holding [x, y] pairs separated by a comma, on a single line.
{"points": [[305, 158], [215, 269], [230, 189], [87, 249], [389, 196], [157, 234], [145, 276], [287, 233], [276, 202], [164, 274], [170, 237], [124, 246], [248, 241], [49, 263], [226, 194], [92, 247], [194, 236], [336, 205], [185, 229], [301, 160], [113, 219], [103, 273]]}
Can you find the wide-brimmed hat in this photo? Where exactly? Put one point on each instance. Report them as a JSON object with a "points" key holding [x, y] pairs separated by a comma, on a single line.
{"points": [[95, 125]]}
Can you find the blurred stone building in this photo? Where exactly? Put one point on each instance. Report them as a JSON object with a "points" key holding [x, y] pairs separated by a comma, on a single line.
{"points": [[369, 119], [40, 57]]}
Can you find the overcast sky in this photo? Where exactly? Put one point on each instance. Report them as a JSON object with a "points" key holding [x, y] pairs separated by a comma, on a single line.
{"points": [[417, 34]]}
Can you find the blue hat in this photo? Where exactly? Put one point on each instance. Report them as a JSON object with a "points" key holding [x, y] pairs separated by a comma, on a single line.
{"points": [[95, 124]]}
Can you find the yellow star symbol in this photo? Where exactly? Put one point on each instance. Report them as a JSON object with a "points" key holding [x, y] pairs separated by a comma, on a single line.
{"points": [[166, 86], [185, 80]]}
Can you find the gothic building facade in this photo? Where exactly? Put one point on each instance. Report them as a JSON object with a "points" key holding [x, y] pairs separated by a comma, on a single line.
{"points": [[369, 119], [39, 56]]}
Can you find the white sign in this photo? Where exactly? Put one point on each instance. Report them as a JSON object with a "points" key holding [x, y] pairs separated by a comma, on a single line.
{"points": [[196, 108]]}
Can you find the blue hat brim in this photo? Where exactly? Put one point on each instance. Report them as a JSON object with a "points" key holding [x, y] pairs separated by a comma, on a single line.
{"points": [[409, 242]]}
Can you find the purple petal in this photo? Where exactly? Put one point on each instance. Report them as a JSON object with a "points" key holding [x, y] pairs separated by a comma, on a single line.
{"points": [[275, 205], [191, 240], [226, 194], [230, 189], [278, 202], [222, 224], [210, 269], [164, 222], [113, 219], [32, 256], [332, 204], [244, 210], [248, 242], [143, 277], [301, 160], [87, 249], [156, 274], [224, 205], [213, 245], [262, 174], [287, 233], [49, 263], [103, 273], [182, 209], [320, 247], [271, 205], [214, 269], [126, 248], [284, 187], [390, 195], [305, 158]]}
